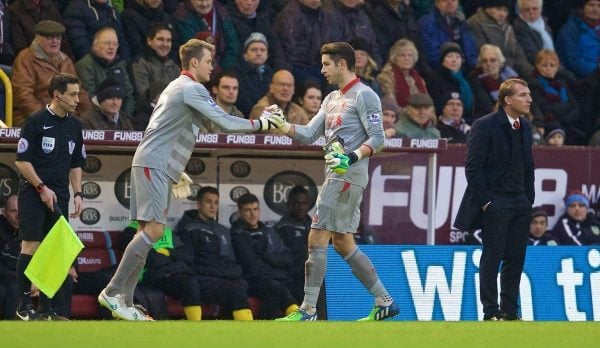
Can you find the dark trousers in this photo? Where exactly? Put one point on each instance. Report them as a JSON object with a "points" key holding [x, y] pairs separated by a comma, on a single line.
{"points": [[274, 295], [504, 235], [9, 299]]}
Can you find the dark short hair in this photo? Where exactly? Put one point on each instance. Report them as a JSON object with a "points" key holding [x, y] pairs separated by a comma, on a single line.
{"points": [[338, 51], [204, 190], [305, 86], [246, 198], [217, 80], [193, 48], [59, 83], [295, 191], [155, 28], [507, 89]]}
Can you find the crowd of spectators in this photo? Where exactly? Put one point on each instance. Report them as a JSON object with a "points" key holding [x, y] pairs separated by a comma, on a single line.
{"points": [[439, 48]]}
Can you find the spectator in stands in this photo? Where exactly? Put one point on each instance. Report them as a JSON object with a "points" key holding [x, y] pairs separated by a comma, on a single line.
{"points": [[214, 262], [531, 29], [264, 258], [84, 18], [394, 20], [399, 78], [490, 25], [10, 249], [106, 110], [446, 24], [7, 52], [448, 77], [303, 26], [576, 226], [538, 234], [555, 136], [293, 229], [309, 97], [253, 71], [196, 16], [578, 43], [225, 88], [418, 120], [256, 16], [33, 68], [139, 17], [145, 105], [451, 123], [154, 62], [390, 114], [552, 94], [102, 63], [281, 91], [23, 15], [492, 69], [366, 68], [354, 14]]}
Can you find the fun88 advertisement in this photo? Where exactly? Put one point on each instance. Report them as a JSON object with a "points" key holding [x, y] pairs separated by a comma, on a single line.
{"points": [[442, 283]]}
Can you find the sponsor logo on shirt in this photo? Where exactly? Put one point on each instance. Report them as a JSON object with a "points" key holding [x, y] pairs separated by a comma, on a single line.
{"points": [[374, 118], [212, 103]]}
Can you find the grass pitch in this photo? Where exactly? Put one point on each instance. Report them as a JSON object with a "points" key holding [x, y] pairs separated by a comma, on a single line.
{"points": [[224, 334]]}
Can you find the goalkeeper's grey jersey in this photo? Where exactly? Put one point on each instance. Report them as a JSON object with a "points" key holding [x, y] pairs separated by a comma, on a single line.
{"points": [[173, 127], [353, 113]]}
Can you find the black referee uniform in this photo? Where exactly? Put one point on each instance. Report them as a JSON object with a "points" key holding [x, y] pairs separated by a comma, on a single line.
{"points": [[53, 145]]}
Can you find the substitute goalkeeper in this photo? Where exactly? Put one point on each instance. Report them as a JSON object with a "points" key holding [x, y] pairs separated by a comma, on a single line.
{"points": [[350, 119], [159, 162]]}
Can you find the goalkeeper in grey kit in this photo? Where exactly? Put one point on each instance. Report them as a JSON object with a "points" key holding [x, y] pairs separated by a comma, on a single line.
{"points": [[158, 166], [350, 120]]}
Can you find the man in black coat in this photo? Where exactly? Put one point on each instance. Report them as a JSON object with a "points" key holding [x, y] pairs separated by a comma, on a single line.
{"points": [[499, 196]]}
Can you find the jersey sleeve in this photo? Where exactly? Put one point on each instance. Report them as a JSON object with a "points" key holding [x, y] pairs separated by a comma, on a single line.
{"points": [[25, 146], [368, 107], [197, 97], [79, 155], [309, 133]]}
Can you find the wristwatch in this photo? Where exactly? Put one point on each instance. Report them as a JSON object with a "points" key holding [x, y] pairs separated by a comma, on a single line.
{"points": [[76, 194], [40, 187]]}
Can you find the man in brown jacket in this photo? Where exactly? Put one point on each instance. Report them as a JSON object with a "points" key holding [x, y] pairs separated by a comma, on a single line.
{"points": [[35, 66]]}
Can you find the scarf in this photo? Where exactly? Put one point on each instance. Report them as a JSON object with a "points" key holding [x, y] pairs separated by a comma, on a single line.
{"points": [[492, 85], [554, 90], [539, 26], [466, 94], [402, 88]]}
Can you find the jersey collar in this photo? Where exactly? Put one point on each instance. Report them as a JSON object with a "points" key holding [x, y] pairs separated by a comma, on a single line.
{"points": [[188, 74], [349, 85]]}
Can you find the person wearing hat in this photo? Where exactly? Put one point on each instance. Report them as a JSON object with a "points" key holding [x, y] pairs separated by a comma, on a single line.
{"points": [[446, 23], [500, 193], [451, 124], [390, 112], [106, 112], [254, 72], [366, 67], [577, 226], [555, 135], [577, 42], [538, 234], [34, 67], [418, 120], [490, 25]]}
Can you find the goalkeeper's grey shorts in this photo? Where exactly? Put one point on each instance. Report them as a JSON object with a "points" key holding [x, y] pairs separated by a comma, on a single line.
{"points": [[150, 195], [338, 207]]}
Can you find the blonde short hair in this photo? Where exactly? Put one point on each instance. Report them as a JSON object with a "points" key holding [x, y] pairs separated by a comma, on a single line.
{"points": [[193, 48]]}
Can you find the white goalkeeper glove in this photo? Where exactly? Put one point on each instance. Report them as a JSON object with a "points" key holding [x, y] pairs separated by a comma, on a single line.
{"points": [[182, 189], [274, 114]]}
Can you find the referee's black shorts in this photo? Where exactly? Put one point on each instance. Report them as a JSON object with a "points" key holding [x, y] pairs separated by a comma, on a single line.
{"points": [[35, 219]]}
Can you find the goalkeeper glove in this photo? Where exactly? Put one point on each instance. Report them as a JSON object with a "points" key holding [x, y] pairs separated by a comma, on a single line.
{"points": [[337, 160], [182, 188], [275, 116]]}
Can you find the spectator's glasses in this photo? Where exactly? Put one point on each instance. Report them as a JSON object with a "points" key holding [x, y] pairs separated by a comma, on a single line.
{"points": [[109, 43]]}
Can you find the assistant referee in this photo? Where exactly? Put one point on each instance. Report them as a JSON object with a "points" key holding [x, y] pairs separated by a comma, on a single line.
{"points": [[50, 154]]}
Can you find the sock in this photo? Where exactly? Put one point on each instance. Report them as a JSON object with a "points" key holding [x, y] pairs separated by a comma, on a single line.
{"points": [[291, 309], [363, 269], [45, 303], [314, 273], [131, 283], [243, 314], [23, 282], [134, 255], [193, 313]]}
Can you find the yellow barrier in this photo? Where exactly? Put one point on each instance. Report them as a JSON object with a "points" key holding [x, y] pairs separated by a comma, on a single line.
{"points": [[8, 95]]}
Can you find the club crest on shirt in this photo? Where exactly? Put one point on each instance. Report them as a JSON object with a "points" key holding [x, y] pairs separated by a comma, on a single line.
{"points": [[22, 146], [71, 147], [374, 118], [48, 144]]}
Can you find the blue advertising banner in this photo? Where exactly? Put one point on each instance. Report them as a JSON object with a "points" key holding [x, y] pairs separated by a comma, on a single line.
{"points": [[442, 283]]}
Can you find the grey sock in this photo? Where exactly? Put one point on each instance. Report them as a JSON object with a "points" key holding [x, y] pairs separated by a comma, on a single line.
{"points": [[364, 270], [131, 283], [314, 272], [134, 255]]}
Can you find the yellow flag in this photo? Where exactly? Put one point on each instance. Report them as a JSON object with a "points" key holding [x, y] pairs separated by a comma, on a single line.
{"points": [[50, 264]]}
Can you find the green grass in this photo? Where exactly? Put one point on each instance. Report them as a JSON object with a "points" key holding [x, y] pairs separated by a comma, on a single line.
{"points": [[206, 334]]}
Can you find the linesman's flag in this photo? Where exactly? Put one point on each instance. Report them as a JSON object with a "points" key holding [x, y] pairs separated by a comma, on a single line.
{"points": [[50, 264]]}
